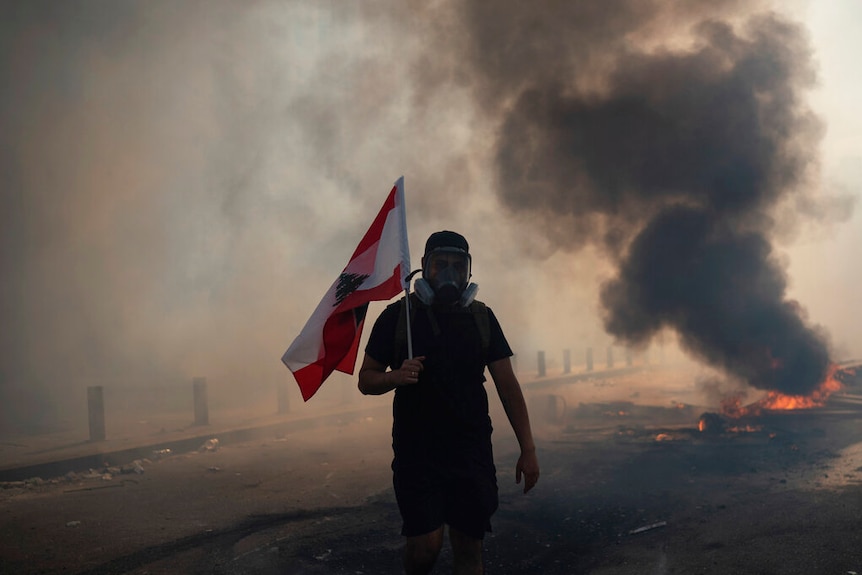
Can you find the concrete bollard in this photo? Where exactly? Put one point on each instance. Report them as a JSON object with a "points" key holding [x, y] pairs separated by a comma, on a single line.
{"points": [[283, 397], [547, 408], [96, 411], [202, 412], [541, 364], [567, 361], [589, 359], [555, 409]]}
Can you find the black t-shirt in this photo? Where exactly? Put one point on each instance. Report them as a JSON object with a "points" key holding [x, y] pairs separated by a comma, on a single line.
{"points": [[443, 419]]}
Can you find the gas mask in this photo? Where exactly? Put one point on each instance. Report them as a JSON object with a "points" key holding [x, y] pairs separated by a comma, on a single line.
{"points": [[445, 277]]}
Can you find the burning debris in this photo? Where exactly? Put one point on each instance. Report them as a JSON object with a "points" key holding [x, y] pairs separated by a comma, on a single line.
{"points": [[714, 423], [711, 423], [776, 401], [733, 411]]}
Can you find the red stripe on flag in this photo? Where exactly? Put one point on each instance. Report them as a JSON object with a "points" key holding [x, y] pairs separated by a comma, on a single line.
{"points": [[348, 364], [341, 335], [376, 230]]}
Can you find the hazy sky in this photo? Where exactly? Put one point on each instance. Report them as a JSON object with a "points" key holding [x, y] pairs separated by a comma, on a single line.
{"points": [[824, 265], [183, 180]]}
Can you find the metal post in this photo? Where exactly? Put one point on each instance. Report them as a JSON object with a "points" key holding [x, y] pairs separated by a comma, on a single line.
{"points": [[202, 413], [610, 357], [96, 410], [541, 364], [589, 359], [567, 361]]}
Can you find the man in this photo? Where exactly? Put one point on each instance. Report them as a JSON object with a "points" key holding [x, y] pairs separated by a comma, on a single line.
{"points": [[443, 466]]}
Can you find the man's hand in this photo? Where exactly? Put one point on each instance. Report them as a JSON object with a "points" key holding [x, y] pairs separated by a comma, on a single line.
{"points": [[408, 373], [375, 380], [528, 465]]}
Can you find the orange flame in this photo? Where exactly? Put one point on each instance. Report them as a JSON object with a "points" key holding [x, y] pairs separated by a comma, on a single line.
{"points": [[732, 407], [817, 398]]}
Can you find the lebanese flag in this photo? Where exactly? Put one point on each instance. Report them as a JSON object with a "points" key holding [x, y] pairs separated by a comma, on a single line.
{"points": [[377, 271]]}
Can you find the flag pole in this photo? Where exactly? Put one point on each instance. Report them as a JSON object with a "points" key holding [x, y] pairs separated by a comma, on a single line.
{"points": [[409, 331], [406, 259]]}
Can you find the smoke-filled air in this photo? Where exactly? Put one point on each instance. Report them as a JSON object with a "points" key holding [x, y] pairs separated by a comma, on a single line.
{"points": [[182, 181]]}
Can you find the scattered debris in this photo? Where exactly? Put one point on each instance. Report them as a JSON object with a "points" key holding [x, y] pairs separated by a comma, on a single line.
{"points": [[324, 556], [159, 453], [209, 445], [648, 527], [710, 422], [133, 467]]}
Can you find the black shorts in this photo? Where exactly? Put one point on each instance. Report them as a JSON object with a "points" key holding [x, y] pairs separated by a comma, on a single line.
{"points": [[429, 497]]}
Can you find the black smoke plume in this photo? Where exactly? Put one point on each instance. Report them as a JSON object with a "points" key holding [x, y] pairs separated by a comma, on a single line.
{"points": [[675, 159]]}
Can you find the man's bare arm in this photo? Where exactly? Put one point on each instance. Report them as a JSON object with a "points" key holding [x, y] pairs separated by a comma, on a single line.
{"points": [[512, 398]]}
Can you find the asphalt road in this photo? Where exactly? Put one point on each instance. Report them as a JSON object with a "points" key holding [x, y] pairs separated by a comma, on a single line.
{"points": [[627, 486]]}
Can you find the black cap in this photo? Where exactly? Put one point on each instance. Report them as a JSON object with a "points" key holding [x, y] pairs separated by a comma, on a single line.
{"points": [[446, 239]]}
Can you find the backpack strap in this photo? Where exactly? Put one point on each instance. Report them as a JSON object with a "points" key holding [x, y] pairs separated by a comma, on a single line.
{"points": [[483, 322], [399, 342]]}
